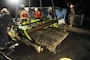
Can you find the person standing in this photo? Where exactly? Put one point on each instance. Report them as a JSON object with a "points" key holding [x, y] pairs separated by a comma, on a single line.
{"points": [[71, 15], [5, 21]]}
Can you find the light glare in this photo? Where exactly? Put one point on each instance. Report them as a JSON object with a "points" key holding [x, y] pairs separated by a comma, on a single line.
{"points": [[65, 58], [13, 1]]}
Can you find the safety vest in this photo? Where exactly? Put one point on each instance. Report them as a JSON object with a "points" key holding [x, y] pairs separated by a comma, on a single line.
{"points": [[37, 14], [25, 14]]}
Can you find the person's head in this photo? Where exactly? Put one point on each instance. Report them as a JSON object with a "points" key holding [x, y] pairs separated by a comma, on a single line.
{"points": [[26, 8], [36, 9], [4, 10], [71, 6], [50, 8]]}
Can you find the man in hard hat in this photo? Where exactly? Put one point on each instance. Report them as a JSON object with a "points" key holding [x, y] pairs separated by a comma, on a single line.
{"points": [[50, 13], [4, 10], [37, 13], [24, 15], [5, 21], [71, 15]]}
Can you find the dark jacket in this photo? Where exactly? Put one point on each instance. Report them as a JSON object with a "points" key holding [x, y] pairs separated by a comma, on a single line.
{"points": [[6, 20]]}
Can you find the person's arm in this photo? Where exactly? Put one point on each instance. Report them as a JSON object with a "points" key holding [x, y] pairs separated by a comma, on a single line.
{"points": [[28, 15], [48, 14], [20, 16]]}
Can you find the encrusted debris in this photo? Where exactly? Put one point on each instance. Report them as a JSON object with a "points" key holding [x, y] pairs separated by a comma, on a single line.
{"points": [[49, 38]]}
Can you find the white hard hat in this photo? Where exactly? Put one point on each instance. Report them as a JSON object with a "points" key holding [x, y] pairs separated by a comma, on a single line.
{"points": [[36, 8], [4, 10], [50, 8], [26, 8], [71, 6]]}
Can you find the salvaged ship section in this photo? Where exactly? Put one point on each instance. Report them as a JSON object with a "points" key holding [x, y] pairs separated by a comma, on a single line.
{"points": [[49, 38], [46, 35]]}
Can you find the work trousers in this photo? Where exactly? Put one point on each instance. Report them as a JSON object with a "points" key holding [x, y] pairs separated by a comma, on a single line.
{"points": [[3, 35]]}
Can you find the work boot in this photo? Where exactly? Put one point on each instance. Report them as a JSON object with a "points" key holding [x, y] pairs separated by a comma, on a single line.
{"points": [[2, 48], [39, 49], [14, 45]]}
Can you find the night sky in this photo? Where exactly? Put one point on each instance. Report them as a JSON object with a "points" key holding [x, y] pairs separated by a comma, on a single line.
{"points": [[59, 3], [82, 4]]}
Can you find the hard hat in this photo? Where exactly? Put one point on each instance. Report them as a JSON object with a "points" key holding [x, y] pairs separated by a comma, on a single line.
{"points": [[71, 6], [49, 8], [26, 8], [36, 8], [5, 10]]}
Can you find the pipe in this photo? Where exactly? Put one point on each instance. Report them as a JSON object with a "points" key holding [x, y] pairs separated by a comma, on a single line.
{"points": [[42, 26]]}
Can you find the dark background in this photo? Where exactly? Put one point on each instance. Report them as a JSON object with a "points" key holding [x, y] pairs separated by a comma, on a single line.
{"points": [[82, 5]]}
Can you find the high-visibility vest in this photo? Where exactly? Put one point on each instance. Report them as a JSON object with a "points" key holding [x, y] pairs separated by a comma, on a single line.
{"points": [[37, 14]]}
